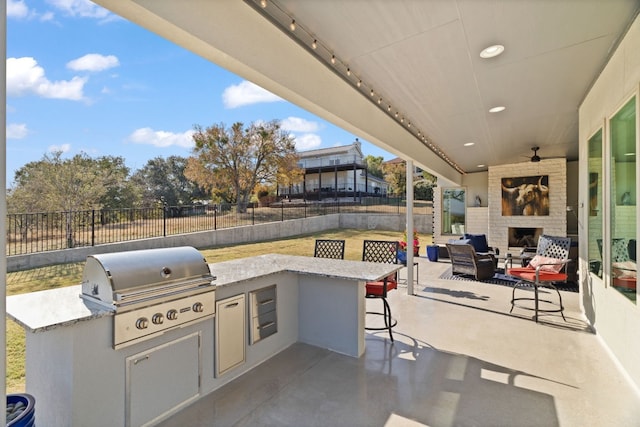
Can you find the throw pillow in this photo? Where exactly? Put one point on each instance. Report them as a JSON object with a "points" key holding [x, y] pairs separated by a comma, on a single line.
{"points": [[624, 269], [539, 260], [478, 241]]}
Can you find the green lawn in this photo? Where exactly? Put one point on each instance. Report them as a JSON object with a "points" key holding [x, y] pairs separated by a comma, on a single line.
{"points": [[57, 276]]}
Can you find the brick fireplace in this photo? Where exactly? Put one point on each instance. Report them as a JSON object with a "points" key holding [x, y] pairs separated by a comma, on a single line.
{"points": [[502, 229]]}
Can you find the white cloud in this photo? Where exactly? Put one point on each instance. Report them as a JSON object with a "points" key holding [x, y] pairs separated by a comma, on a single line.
{"points": [[246, 93], [17, 9], [93, 62], [80, 8], [63, 148], [16, 131], [297, 124], [25, 76], [47, 16], [160, 138], [308, 141]]}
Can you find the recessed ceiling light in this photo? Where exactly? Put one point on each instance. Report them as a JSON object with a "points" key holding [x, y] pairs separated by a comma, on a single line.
{"points": [[497, 109], [481, 166], [492, 51], [469, 144]]}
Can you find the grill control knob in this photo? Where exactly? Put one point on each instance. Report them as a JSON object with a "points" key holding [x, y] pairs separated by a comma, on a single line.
{"points": [[198, 307], [157, 319], [142, 323], [172, 314]]}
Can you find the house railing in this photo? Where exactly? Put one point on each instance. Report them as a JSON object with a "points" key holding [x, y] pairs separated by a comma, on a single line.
{"points": [[49, 231]]}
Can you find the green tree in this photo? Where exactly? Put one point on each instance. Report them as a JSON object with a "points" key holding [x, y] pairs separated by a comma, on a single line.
{"points": [[163, 181], [395, 174], [120, 192], [374, 165], [54, 184], [423, 188], [57, 184], [231, 162]]}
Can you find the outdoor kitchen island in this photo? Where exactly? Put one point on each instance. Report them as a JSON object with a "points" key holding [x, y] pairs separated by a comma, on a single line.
{"points": [[79, 379]]}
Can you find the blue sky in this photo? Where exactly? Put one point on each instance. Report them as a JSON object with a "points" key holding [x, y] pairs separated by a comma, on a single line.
{"points": [[81, 79]]}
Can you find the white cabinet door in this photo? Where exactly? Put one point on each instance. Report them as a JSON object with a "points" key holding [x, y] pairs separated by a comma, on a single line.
{"points": [[230, 333], [160, 380]]}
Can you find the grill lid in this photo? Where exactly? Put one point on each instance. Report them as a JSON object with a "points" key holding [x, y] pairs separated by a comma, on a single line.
{"points": [[123, 277]]}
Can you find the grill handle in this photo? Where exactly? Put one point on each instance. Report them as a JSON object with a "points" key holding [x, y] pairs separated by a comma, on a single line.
{"points": [[125, 298]]}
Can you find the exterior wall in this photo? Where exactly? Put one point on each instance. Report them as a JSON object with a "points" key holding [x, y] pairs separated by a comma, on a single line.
{"points": [[477, 220], [616, 318]]}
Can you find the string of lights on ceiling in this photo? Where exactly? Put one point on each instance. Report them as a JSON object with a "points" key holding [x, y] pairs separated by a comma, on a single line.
{"points": [[309, 41]]}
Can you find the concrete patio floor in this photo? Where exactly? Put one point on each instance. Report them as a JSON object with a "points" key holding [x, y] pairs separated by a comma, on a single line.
{"points": [[459, 359]]}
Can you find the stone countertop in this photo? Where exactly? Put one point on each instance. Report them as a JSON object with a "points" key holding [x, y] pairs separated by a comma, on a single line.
{"points": [[230, 272], [44, 310]]}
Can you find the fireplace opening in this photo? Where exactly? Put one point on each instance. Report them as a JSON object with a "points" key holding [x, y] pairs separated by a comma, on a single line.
{"points": [[522, 237]]}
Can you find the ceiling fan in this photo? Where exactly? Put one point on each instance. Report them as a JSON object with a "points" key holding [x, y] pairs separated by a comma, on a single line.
{"points": [[535, 157]]}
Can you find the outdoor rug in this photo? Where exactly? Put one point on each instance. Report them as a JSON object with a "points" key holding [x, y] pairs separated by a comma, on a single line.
{"points": [[503, 280]]}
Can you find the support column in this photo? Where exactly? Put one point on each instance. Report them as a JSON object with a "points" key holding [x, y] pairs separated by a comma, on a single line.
{"points": [[409, 227], [366, 181], [304, 186], [335, 182], [355, 183], [3, 198]]}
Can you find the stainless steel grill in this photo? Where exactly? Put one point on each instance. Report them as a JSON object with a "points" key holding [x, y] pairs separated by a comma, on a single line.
{"points": [[151, 291]]}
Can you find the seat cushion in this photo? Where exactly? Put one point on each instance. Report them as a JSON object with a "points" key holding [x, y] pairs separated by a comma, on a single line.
{"points": [[546, 263], [376, 288], [529, 274], [625, 282], [478, 241]]}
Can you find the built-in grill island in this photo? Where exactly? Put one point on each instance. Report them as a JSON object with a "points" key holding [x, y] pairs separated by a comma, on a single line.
{"points": [[151, 291], [143, 337]]}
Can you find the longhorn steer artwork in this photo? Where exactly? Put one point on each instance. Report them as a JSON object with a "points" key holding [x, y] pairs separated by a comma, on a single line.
{"points": [[525, 196]]}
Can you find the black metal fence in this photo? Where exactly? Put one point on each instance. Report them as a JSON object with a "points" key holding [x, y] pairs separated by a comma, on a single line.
{"points": [[48, 231]]}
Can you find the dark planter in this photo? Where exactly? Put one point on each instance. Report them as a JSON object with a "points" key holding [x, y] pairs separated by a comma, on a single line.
{"points": [[27, 417], [432, 253]]}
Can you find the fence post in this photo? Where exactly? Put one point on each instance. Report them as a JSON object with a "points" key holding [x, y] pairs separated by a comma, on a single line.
{"points": [[215, 217], [305, 209], [164, 221], [93, 227]]}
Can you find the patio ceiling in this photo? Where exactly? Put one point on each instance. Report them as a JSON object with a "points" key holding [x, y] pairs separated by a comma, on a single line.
{"points": [[421, 57]]}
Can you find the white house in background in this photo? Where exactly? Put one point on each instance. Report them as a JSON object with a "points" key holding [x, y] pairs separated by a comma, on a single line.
{"points": [[335, 172]]}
